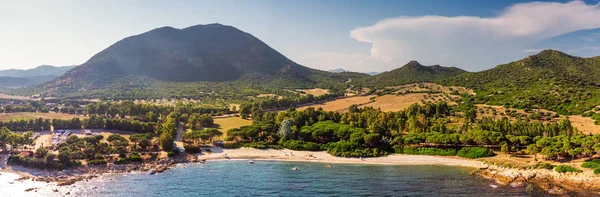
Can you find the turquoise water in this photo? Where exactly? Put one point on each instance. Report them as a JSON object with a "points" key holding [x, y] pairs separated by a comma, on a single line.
{"points": [[270, 178]]}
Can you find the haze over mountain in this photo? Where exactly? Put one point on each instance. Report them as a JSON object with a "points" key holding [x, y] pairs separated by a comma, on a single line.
{"points": [[202, 53], [28, 77], [341, 70]]}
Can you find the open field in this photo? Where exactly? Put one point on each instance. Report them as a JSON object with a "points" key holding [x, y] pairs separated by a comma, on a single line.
{"points": [[229, 123], [314, 92], [341, 104], [389, 103], [584, 124], [420, 87], [34, 115]]}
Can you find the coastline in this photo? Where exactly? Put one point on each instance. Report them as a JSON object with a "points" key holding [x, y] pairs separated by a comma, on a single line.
{"points": [[585, 183], [70, 176], [552, 182]]}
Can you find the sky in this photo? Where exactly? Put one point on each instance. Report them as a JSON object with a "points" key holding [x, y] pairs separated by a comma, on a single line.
{"points": [[361, 36]]}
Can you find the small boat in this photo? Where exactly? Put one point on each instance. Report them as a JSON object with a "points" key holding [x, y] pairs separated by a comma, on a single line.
{"points": [[330, 165], [295, 169], [250, 162]]}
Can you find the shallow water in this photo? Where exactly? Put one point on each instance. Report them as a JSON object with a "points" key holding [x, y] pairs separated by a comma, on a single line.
{"points": [[270, 178]]}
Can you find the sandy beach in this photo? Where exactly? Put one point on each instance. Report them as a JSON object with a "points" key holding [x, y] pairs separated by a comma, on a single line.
{"points": [[324, 157]]}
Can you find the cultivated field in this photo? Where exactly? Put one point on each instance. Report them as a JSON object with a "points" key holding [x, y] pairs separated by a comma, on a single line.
{"points": [[314, 92], [34, 115], [341, 105], [390, 103]]}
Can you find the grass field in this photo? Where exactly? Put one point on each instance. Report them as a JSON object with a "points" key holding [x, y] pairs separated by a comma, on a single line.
{"points": [[33, 115], [341, 104], [229, 123], [314, 92]]}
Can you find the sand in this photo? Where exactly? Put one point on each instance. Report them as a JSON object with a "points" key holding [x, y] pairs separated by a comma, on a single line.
{"points": [[324, 157]]}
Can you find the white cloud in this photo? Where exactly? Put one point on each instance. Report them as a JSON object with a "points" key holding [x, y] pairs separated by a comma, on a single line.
{"points": [[474, 43]]}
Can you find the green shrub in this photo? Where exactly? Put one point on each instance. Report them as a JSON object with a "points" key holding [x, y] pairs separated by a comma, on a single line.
{"points": [[171, 154], [352, 149], [429, 151], [134, 157], [542, 166], [475, 152], [122, 161], [597, 171], [301, 145], [192, 149], [565, 168], [595, 161], [97, 162], [591, 165]]}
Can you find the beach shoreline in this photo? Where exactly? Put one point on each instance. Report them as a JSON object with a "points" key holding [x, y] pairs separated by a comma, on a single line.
{"points": [[547, 179], [70, 176]]}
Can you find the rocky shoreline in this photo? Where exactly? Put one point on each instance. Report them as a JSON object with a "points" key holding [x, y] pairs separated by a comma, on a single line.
{"points": [[548, 180], [70, 176]]}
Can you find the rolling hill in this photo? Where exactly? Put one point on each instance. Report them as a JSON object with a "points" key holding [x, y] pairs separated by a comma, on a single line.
{"points": [[412, 72], [191, 58], [550, 80]]}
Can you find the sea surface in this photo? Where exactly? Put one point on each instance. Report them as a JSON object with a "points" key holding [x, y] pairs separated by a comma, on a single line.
{"points": [[273, 178]]}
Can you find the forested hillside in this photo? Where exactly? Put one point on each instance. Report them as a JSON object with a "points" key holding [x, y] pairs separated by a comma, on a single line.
{"points": [[550, 80]]}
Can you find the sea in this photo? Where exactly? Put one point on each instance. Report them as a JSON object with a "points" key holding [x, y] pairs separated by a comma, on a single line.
{"points": [[276, 178]]}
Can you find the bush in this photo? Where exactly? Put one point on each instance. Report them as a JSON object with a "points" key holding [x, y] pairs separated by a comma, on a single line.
{"points": [[301, 145], [591, 165], [171, 154], [192, 149], [97, 162], [351, 149], [542, 166], [565, 168], [595, 161], [122, 161], [134, 157], [475, 152], [597, 171], [429, 151]]}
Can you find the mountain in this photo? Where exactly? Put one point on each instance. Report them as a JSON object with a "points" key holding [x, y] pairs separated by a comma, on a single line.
{"points": [[11, 82], [43, 70], [550, 80], [413, 72], [29, 77], [196, 59]]}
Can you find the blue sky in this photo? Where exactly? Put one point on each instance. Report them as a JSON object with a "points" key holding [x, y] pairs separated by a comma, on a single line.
{"points": [[354, 35]]}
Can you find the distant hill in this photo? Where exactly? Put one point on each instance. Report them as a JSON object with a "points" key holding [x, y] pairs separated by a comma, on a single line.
{"points": [[165, 61], [28, 77], [550, 80], [341, 70], [412, 72]]}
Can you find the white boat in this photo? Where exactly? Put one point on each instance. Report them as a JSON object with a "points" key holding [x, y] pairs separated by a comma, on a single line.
{"points": [[251, 162]]}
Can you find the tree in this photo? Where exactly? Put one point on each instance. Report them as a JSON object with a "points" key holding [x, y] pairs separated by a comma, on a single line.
{"points": [[41, 152], [285, 131]]}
